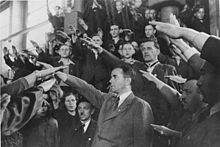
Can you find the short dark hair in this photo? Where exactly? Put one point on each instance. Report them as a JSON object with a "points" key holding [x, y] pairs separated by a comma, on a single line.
{"points": [[150, 39], [197, 8], [148, 24], [128, 71], [125, 43], [83, 99]]}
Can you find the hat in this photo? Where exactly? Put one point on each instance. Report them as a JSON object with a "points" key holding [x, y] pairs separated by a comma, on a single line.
{"points": [[62, 37]]}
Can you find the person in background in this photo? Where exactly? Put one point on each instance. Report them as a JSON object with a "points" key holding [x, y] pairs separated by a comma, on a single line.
{"points": [[67, 117], [56, 20], [198, 21], [42, 130], [113, 43], [85, 134]]}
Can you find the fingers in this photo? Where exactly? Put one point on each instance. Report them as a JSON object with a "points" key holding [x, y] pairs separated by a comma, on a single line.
{"points": [[176, 78], [46, 72]]}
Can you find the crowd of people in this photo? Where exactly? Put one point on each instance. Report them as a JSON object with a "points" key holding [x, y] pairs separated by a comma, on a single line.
{"points": [[124, 79]]}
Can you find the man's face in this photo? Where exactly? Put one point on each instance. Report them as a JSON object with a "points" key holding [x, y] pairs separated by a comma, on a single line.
{"points": [[70, 103], [119, 6], [85, 111], [149, 31], [114, 31], [97, 40], [57, 10], [149, 51], [209, 84], [127, 51], [42, 111], [137, 3], [64, 51], [147, 13], [190, 96], [200, 14], [152, 14], [117, 81]]}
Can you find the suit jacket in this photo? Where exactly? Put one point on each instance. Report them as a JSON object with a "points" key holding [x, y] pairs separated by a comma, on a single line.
{"points": [[85, 139], [205, 134], [92, 70], [210, 51], [126, 126]]}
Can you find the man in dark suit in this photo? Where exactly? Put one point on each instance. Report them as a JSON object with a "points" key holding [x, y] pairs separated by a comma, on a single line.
{"points": [[124, 119], [162, 112], [206, 133], [85, 134]]}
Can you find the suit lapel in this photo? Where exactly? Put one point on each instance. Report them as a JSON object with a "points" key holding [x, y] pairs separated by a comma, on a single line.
{"points": [[128, 101]]}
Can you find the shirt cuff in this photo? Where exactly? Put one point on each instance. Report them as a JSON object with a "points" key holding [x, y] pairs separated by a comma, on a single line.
{"points": [[200, 39], [190, 52]]}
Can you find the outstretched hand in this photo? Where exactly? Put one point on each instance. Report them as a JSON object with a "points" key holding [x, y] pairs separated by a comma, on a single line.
{"points": [[169, 29], [148, 75], [47, 85], [176, 79], [163, 130], [49, 71]]}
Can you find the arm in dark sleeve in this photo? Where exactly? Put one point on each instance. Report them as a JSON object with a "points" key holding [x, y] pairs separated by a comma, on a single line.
{"points": [[43, 57], [8, 61], [210, 51], [96, 97], [111, 59], [143, 133]]}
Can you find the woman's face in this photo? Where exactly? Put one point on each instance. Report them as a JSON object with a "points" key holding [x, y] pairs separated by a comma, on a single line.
{"points": [[70, 103]]}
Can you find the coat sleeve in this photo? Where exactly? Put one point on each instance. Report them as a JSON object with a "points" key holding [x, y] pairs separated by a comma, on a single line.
{"points": [[111, 59], [96, 97], [15, 87], [210, 51], [143, 133]]}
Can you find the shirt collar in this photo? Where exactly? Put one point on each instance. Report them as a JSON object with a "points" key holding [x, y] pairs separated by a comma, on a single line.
{"points": [[86, 125], [215, 109], [123, 97]]}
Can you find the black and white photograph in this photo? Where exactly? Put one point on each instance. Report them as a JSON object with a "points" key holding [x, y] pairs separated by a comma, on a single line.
{"points": [[110, 73]]}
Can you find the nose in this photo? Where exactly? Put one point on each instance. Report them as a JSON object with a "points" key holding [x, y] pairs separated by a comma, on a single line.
{"points": [[110, 81]]}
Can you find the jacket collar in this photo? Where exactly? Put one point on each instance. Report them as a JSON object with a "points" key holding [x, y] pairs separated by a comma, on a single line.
{"points": [[128, 101]]}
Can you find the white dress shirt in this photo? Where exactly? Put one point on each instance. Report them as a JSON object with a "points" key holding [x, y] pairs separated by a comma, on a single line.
{"points": [[86, 125], [123, 97]]}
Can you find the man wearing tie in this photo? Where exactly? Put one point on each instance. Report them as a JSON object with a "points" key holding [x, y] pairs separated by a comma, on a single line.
{"points": [[124, 119], [85, 132]]}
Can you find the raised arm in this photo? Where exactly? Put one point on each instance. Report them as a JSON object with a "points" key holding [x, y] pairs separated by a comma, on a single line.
{"points": [[26, 82], [198, 39], [170, 93], [96, 97]]}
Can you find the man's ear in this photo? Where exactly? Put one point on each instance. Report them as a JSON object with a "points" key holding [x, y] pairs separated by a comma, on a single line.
{"points": [[158, 51], [128, 81]]}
